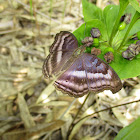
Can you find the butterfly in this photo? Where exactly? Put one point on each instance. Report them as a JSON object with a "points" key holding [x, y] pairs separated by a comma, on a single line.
{"points": [[81, 72]]}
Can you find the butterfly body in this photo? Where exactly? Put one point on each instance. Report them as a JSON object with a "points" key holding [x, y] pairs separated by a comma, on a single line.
{"points": [[81, 72]]}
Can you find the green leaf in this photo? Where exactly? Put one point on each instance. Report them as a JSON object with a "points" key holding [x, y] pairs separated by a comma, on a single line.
{"points": [[138, 35], [125, 68], [135, 28], [91, 11], [110, 14], [131, 132], [135, 4], [84, 30]]}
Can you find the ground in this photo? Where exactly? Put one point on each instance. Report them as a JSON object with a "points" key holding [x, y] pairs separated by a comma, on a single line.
{"points": [[30, 107]]}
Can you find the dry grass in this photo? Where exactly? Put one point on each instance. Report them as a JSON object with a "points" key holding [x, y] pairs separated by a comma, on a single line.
{"points": [[30, 107]]}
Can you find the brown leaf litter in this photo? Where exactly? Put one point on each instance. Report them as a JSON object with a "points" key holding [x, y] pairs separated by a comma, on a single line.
{"points": [[30, 107]]}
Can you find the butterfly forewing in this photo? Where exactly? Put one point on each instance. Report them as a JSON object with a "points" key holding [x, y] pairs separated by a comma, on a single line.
{"points": [[61, 50], [88, 73], [64, 41]]}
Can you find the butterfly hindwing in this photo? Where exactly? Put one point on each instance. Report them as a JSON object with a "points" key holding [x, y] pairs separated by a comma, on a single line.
{"points": [[100, 75], [88, 73]]}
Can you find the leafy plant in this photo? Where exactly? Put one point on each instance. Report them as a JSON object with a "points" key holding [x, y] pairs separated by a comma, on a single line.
{"points": [[108, 22], [115, 39], [130, 132]]}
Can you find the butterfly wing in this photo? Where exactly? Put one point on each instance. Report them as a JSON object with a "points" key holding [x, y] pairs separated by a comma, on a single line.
{"points": [[74, 80], [88, 73], [100, 75], [61, 50]]}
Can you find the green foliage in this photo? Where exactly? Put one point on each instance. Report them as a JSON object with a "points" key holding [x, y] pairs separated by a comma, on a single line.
{"points": [[110, 14], [131, 132], [135, 4], [91, 11], [108, 21], [79, 33], [125, 68], [138, 35]]}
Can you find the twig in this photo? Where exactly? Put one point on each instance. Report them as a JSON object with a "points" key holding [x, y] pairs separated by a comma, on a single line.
{"points": [[91, 115], [72, 124]]}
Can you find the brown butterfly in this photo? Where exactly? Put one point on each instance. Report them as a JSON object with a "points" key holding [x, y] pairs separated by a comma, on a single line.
{"points": [[81, 72]]}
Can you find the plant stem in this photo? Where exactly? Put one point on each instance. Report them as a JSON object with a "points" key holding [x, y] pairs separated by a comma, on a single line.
{"points": [[72, 124], [31, 7], [92, 115], [135, 18], [116, 25]]}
